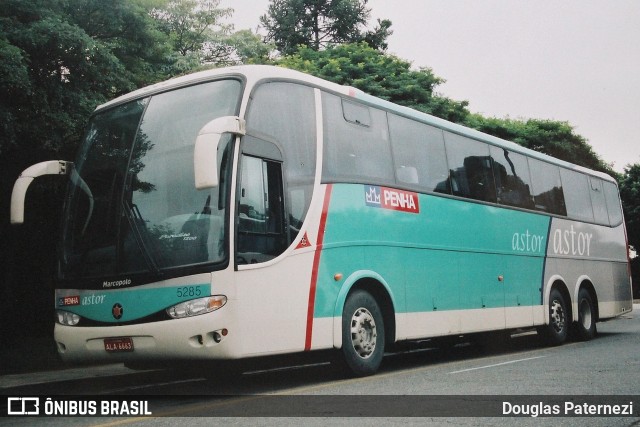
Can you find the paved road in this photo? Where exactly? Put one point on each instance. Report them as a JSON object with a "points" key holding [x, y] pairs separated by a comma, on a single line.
{"points": [[608, 366]]}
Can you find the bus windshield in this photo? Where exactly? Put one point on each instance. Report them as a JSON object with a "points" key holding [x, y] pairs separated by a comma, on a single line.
{"points": [[132, 204]]}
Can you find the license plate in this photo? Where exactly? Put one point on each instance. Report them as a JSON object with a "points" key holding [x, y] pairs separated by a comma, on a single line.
{"points": [[118, 345]]}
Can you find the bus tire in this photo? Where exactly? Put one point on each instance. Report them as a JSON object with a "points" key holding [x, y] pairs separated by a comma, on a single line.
{"points": [[363, 338], [585, 329], [556, 332]]}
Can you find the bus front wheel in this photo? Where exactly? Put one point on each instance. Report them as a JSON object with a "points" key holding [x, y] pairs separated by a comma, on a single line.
{"points": [[556, 332], [362, 334]]}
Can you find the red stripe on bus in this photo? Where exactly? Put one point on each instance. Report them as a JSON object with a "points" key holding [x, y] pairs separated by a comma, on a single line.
{"points": [[316, 264]]}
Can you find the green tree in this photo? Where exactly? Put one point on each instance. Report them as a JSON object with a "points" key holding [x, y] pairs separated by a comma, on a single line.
{"points": [[127, 30], [248, 47], [555, 138], [196, 32], [63, 59], [317, 24], [630, 194], [379, 74], [59, 59]]}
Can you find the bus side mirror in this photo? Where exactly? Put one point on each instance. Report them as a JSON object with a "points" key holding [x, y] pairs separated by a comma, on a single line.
{"points": [[205, 155], [20, 187]]}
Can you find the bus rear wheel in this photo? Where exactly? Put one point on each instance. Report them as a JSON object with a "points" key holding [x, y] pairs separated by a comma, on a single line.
{"points": [[362, 334], [585, 329], [556, 332]]}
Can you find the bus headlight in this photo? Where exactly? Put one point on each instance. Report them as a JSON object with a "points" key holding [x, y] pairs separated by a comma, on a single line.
{"points": [[66, 318], [196, 307]]}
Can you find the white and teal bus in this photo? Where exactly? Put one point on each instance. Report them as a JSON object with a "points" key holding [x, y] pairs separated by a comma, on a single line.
{"points": [[255, 211]]}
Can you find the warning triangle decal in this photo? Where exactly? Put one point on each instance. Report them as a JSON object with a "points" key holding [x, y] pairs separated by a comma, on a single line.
{"points": [[304, 242]]}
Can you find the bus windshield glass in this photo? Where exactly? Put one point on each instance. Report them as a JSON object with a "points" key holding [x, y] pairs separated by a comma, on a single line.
{"points": [[132, 205]]}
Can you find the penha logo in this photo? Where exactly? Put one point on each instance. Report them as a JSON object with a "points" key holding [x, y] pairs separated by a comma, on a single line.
{"points": [[391, 198], [69, 300]]}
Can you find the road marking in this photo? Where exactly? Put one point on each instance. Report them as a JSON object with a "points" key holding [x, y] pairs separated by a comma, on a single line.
{"points": [[196, 407], [496, 364], [140, 387]]}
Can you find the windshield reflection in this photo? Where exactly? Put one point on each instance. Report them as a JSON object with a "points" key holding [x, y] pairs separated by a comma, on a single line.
{"points": [[133, 207]]}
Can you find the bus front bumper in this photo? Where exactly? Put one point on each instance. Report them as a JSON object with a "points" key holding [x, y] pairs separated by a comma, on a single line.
{"points": [[208, 336]]}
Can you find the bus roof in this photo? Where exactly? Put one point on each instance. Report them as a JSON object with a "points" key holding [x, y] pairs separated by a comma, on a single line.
{"points": [[252, 74]]}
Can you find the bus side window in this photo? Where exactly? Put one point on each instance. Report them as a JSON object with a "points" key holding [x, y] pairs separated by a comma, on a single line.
{"points": [[513, 182], [547, 187], [575, 187], [285, 112], [470, 168], [418, 154], [354, 151], [356, 113], [613, 203], [598, 203]]}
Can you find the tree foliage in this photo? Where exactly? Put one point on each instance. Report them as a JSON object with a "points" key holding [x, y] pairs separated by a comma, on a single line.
{"points": [[555, 138], [391, 78], [64, 58], [249, 48], [629, 184], [630, 194], [379, 74], [318, 24], [196, 31]]}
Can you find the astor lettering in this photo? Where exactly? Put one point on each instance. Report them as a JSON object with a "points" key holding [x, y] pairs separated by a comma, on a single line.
{"points": [[93, 299], [571, 242], [527, 242]]}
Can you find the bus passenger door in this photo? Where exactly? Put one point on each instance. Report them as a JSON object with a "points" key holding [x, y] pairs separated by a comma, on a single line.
{"points": [[272, 296], [260, 221]]}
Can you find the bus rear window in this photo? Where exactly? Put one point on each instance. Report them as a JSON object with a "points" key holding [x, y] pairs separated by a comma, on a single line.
{"points": [[613, 203]]}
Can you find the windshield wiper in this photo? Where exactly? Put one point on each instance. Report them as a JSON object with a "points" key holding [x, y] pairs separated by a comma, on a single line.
{"points": [[82, 184], [134, 218]]}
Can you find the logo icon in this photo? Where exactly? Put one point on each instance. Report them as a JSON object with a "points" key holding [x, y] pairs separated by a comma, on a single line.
{"points": [[23, 406], [117, 311], [372, 195]]}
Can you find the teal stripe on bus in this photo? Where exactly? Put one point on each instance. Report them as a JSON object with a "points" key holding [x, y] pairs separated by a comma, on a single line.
{"points": [[135, 303], [446, 254]]}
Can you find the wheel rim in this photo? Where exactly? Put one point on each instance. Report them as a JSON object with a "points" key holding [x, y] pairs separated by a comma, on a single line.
{"points": [[585, 314], [363, 333], [557, 316]]}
